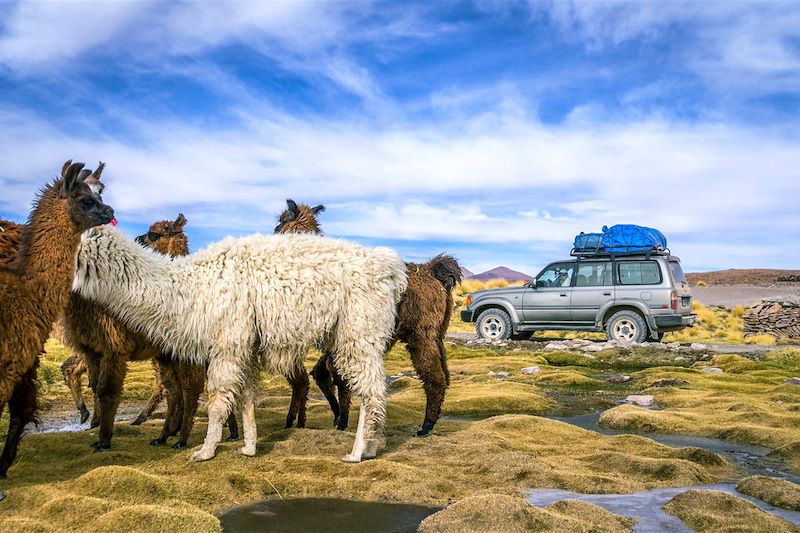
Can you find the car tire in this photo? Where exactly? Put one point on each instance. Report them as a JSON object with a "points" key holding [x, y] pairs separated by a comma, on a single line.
{"points": [[626, 326], [522, 336], [493, 324]]}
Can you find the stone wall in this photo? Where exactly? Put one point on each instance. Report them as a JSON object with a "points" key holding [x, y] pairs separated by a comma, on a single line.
{"points": [[780, 318]]}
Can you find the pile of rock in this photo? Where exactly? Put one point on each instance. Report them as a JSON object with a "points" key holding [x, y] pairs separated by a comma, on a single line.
{"points": [[780, 318]]}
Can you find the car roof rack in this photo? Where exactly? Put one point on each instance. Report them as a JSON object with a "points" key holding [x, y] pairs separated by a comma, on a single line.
{"points": [[603, 253]]}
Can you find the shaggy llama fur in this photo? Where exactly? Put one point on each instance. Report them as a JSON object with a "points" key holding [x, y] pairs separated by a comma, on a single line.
{"points": [[423, 316], [106, 345], [35, 287], [253, 301]]}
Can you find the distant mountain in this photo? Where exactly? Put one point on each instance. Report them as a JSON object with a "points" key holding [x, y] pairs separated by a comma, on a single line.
{"points": [[503, 273], [466, 273]]}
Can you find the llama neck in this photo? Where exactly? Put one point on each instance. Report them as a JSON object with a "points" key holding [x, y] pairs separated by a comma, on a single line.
{"points": [[47, 250]]}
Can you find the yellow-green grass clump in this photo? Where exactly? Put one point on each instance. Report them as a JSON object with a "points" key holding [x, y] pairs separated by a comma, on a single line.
{"points": [[778, 492], [749, 402], [497, 512], [717, 512]]}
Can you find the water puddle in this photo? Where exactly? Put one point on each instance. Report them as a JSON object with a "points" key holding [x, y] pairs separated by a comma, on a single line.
{"points": [[645, 506], [327, 515]]}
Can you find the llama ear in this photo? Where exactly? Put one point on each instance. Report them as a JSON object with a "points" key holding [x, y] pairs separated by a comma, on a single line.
{"points": [[100, 167], [292, 205], [71, 179], [65, 167], [85, 173], [180, 222], [318, 209]]}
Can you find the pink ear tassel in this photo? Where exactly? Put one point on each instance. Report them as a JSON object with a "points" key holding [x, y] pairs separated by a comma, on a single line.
{"points": [[114, 221]]}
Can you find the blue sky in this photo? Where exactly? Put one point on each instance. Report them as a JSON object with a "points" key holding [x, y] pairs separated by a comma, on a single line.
{"points": [[493, 130]]}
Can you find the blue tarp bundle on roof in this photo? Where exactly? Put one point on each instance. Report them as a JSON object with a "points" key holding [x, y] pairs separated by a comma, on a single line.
{"points": [[621, 239]]}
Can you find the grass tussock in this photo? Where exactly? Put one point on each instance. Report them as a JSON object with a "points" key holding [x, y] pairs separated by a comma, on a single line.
{"points": [[777, 492], [497, 512], [717, 512]]}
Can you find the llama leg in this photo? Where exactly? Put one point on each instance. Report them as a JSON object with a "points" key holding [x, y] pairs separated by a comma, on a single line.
{"points": [[248, 423], [233, 427], [113, 368], [22, 409], [192, 383], [299, 382], [345, 398], [170, 381], [324, 380], [361, 364], [93, 366], [72, 369], [224, 377], [427, 361], [152, 403]]}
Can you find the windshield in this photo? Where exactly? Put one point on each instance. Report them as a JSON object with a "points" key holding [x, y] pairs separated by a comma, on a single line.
{"points": [[677, 272]]}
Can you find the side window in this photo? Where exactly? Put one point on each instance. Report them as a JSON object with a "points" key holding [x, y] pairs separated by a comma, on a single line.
{"points": [[639, 273], [556, 276], [593, 274]]}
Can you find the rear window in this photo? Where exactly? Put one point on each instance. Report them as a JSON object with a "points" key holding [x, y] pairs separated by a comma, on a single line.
{"points": [[639, 273], [677, 272]]}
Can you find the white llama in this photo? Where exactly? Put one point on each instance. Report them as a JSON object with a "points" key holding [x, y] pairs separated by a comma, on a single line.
{"points": [[255, 301]]}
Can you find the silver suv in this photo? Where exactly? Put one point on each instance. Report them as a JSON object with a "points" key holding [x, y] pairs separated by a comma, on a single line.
{"points": [[632, 298]]}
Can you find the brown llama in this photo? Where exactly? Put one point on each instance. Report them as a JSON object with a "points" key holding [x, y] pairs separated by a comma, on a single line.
{"points": [[35, 287], [423, 315], [107, 346]]}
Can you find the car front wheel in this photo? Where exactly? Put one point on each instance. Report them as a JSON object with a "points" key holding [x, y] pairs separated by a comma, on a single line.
{"points": [[626, 326], [494, 324]]}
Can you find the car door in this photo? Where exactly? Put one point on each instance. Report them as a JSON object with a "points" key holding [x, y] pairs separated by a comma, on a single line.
{"points": [[593, 289], [548, 300]]}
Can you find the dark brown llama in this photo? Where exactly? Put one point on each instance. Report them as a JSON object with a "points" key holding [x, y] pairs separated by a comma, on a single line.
{"points": [[107, 346], [35, 287], [422, 319]]}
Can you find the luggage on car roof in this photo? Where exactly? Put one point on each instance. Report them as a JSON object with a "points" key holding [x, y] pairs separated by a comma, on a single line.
{"points": [[620, 239]]}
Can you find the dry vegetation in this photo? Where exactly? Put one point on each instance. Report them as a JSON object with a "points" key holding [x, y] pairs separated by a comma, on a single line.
{"points": [[490, 443]]}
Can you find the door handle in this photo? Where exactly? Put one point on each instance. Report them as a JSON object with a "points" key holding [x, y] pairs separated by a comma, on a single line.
{"points": [[563, 294], [606, 294]]}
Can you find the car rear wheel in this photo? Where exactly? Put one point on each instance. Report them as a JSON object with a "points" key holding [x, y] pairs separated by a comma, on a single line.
{"points": [[494, 324], [626, 326]]}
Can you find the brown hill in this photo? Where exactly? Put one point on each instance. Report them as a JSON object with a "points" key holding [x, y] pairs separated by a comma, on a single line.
{"points": [[746, 276], [501, 272]]}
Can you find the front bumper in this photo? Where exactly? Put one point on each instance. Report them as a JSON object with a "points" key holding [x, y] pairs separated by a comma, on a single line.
{"points": [[466, 315], [664, 323]]}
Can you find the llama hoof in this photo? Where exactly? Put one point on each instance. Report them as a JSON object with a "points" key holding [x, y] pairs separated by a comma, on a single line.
{"points": [[425, 429], [84, 415], [350, 458], [179, 445], [2, 495], [157, 442], [201, 455], [98, 448], [232, 438], [249, 451], [139, 420]]}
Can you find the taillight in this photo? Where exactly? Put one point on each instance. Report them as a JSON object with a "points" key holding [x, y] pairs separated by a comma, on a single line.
{"points": [[673, 299], [468, 300]]}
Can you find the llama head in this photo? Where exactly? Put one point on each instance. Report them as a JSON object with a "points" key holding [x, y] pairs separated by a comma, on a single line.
{"points": [[86, 208], [166, 237], [299, 218]]}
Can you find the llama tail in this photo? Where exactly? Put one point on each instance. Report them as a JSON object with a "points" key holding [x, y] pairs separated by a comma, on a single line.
{"points": [[397, 271], [446, 269]]}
